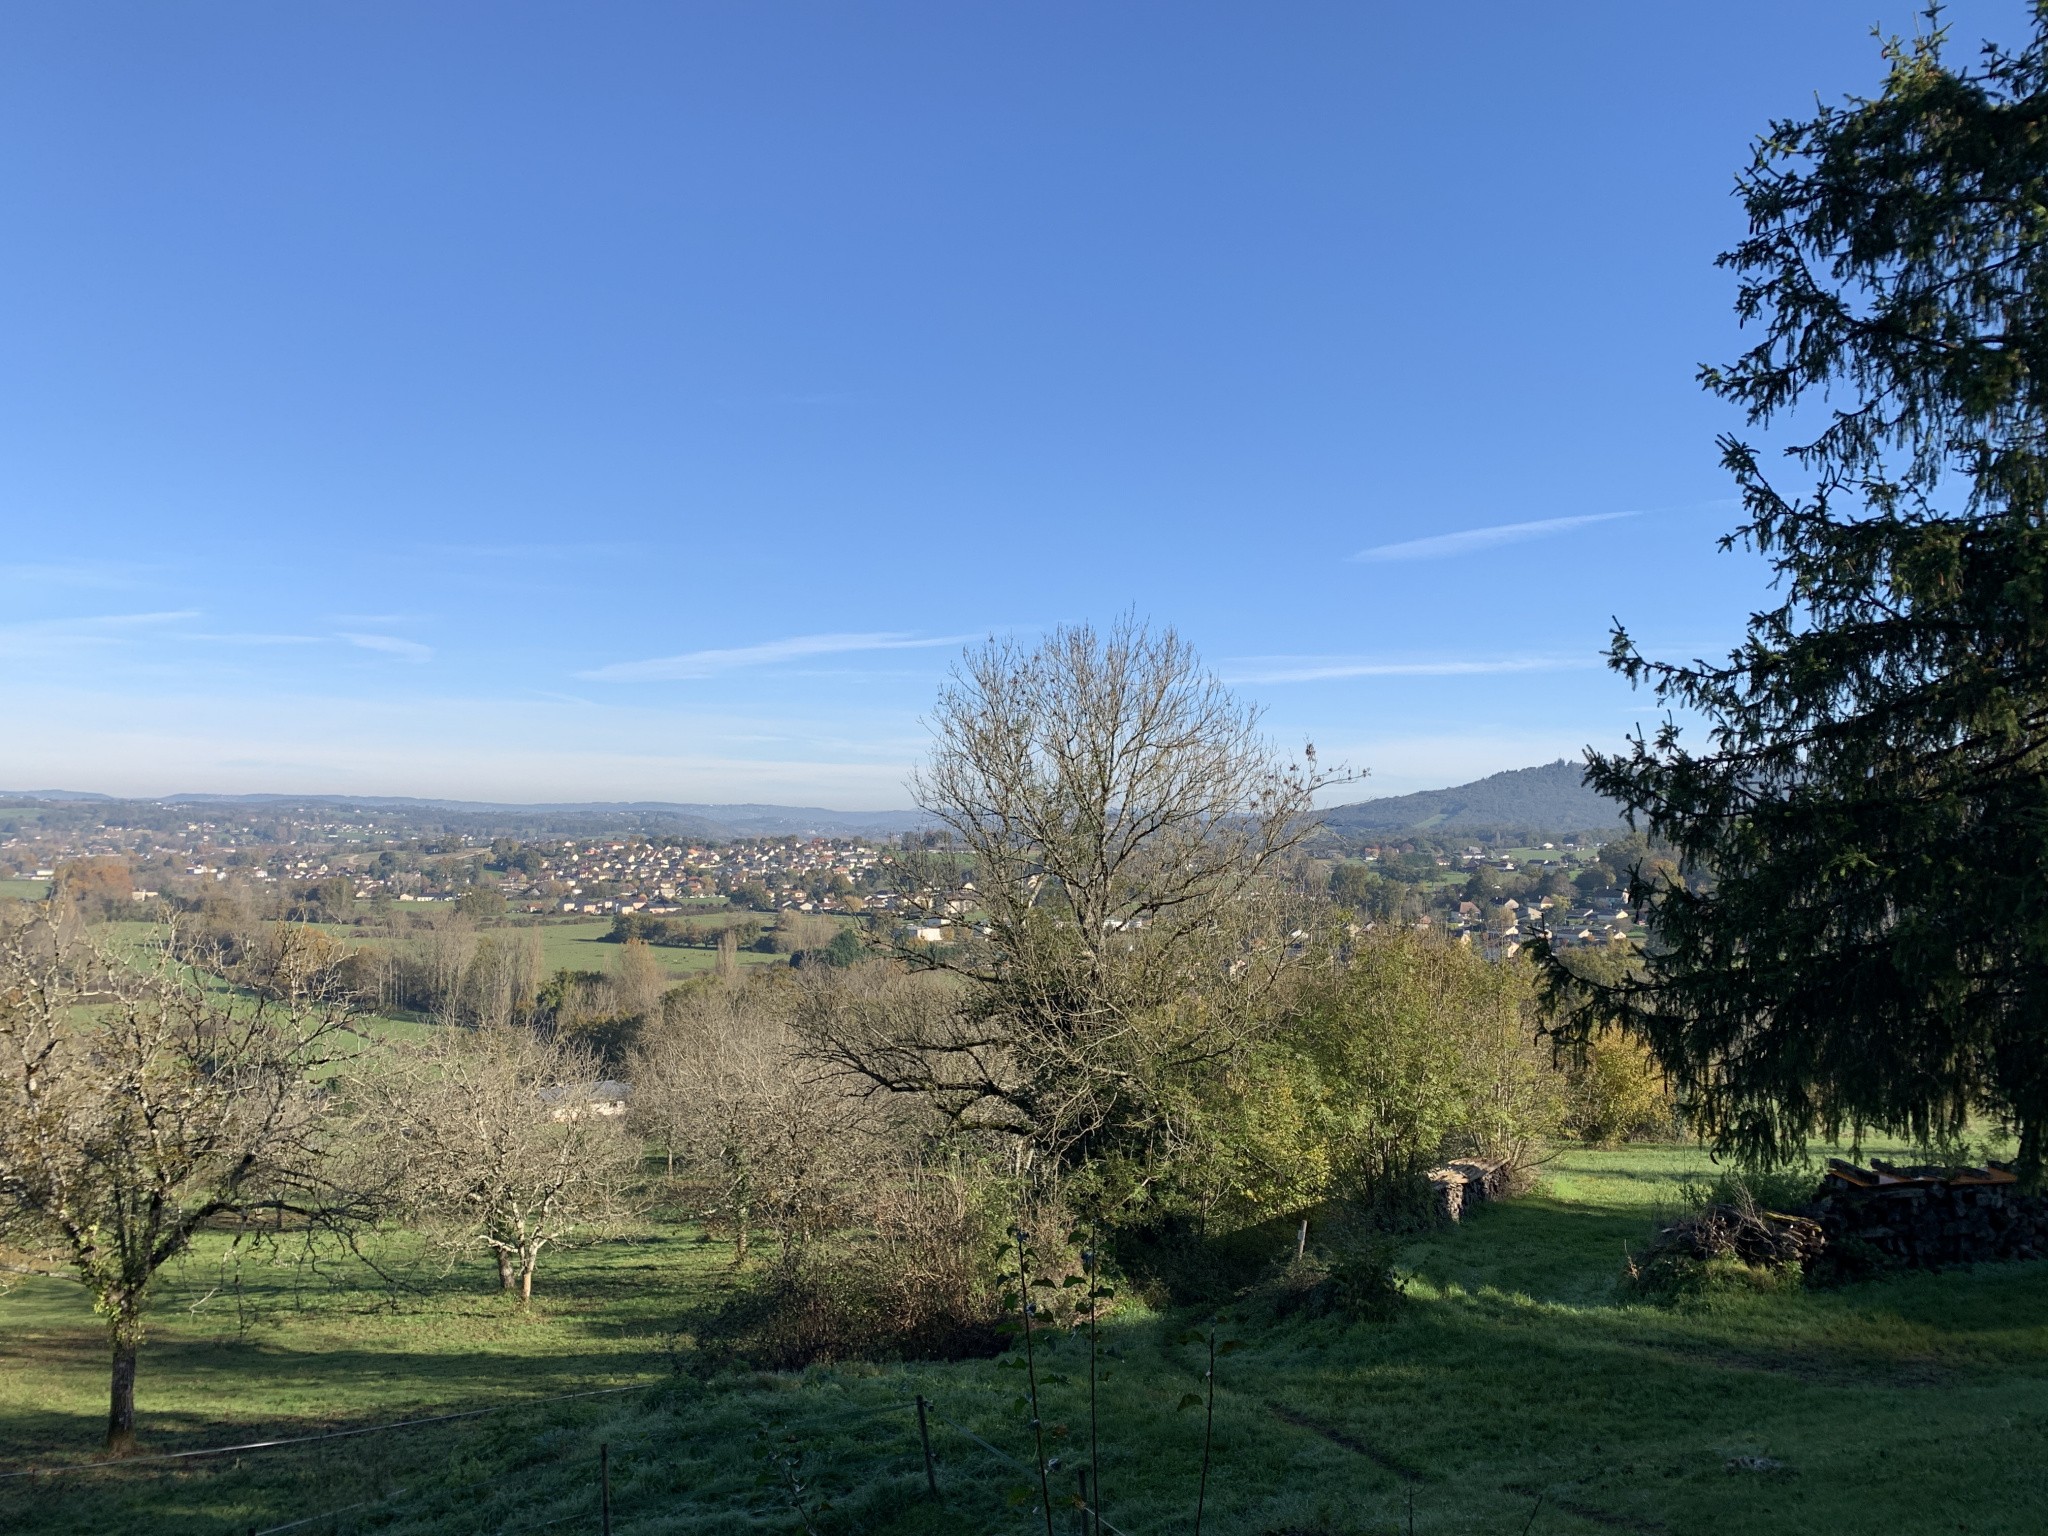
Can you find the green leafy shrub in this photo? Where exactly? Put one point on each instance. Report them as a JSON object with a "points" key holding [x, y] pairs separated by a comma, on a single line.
{"points": [[917, 1279], [1402, 1052], [1405, 1052], [1171, 1261], [1354, 1278], [1617, 1093], [814, 1307]]}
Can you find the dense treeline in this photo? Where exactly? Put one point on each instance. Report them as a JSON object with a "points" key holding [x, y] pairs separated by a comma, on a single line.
{"points": [[686, 932]]}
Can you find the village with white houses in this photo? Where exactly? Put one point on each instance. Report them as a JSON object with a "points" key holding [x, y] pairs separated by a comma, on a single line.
{"points": [[351, 867]]}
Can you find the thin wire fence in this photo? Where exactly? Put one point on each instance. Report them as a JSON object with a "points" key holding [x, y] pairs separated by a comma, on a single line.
{"points": [[800, 1422], [115, 1463], [330, 1514]]}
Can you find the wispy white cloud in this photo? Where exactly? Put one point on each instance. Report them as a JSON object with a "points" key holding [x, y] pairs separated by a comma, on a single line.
{"points": [[1443, 545], [390, 645], [45, 637], [253, 639], [699, 664], [1318, 669]]}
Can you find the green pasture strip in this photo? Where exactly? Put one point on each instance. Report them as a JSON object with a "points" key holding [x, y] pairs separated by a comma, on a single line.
{"points": [[584, 947], [1914, 1404], [580, 945], [24, 890], [392, 1027]]}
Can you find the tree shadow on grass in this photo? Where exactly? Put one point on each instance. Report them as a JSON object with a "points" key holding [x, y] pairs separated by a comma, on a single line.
{"points": [[451, 1465], [1646, 1412], [217, 1392]]}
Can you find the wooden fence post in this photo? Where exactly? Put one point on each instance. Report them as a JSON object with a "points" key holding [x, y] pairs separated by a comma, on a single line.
{"points": [[924, 1433]]}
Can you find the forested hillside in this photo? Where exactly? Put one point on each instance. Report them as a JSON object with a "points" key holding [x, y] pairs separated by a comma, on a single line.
{"points": [[1552, 797]]}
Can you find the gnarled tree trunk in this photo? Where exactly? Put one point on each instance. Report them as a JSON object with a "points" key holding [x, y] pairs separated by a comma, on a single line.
{"points": [[126, 1331]]}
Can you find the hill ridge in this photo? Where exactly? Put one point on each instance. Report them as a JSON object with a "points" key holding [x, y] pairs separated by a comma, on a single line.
{"points": [[1551, 796], [682, 817]]}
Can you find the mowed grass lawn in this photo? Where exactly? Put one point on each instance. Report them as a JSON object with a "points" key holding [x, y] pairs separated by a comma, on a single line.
{"points": [[1914, 1404]]}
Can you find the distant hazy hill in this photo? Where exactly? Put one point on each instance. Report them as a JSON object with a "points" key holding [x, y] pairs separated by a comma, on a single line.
{"points": [[587, 818], [1551, 797]]}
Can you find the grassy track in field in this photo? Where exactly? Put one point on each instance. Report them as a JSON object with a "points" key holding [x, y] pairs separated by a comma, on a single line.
{"points": [[1914, 1404]]}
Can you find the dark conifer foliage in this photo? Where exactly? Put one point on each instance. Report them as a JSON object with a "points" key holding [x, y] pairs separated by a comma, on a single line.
{"points": [[1865, 936]]}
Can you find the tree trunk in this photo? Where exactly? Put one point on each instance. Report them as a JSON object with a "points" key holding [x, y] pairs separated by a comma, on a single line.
{"points": [[526, 1278], [2029, 1164], [504, 1270], [127, 1336], [739, 1245]]}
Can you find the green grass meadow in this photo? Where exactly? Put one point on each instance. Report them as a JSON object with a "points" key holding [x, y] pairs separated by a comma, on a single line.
{"points": [[1913, 1404], [579, 945], [583, 947]]}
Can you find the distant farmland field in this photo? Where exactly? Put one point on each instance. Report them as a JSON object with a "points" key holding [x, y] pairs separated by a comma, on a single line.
{"points": [[582, 947], [574, 946]]}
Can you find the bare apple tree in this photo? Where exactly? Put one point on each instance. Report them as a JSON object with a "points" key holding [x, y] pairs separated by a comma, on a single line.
{"points": [[504, 1143], [142, 1101], [1123, 841], [767, 1137]]}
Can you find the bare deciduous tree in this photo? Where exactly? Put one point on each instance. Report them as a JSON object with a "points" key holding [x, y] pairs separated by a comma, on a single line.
{"points": [[497, 1140], [141, 1102], [462, 976], [768, 1134], [639, 980], [1129, 837]]}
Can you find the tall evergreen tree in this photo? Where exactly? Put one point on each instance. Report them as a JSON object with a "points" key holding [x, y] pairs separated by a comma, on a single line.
{"points": [[1864, 937]]}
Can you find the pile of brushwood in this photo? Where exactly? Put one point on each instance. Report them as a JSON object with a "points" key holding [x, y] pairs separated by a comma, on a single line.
{"points": [[1727, 1244], [1764, 1232]]}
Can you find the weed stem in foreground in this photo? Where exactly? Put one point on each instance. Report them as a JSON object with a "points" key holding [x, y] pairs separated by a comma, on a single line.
{"points": [[1088, 1267], [1024, 1304], [1208, 1433]]}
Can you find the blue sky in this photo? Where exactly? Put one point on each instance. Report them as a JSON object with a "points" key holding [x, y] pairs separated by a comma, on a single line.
{"points": [[543, 402]]}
